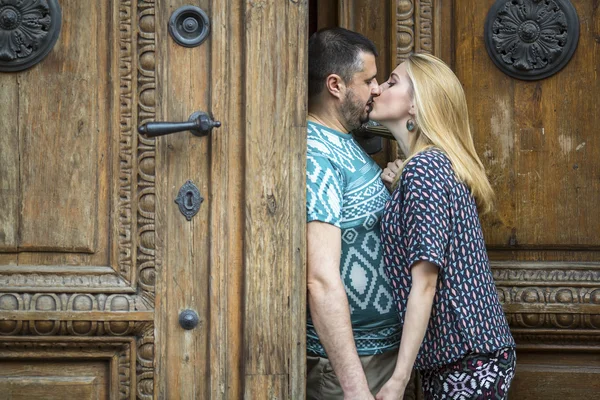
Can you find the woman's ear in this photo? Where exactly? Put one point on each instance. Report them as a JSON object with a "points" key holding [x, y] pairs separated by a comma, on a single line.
{"points": [[335, 85], [412, 111]]}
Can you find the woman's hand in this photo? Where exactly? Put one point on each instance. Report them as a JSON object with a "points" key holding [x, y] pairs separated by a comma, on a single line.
{"points": [[393, 389], [389, 173]]}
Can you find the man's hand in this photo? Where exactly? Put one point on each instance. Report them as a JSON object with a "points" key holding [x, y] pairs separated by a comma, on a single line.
{"points": [[389, 173], [393, 389], [366, 396]]}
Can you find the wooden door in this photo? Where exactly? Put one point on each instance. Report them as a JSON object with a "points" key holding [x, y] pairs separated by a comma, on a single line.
{"points": [[96, 260], [539, 141]]}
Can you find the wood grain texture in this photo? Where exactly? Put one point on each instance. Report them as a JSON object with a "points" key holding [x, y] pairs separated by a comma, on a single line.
{"points": [[227, 152], [184, 86], [557, 374], [54, 380], [268, 387], [9, 167], [59, 140], [537, 138], [275, 117]]}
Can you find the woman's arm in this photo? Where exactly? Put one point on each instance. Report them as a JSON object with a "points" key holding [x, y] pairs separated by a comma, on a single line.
{"points": [[420, 301]]}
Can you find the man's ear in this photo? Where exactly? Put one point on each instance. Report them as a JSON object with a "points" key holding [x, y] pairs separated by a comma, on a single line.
{"points": [[335, 85]]}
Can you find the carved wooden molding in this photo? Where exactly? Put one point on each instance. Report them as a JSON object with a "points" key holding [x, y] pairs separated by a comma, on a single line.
{"points": [[73, 314], [549, 295], [405, 29], [73, 282], [125, 216], [415, 28], [546, 273], [572, 340], [146, 151], [425, 27]]}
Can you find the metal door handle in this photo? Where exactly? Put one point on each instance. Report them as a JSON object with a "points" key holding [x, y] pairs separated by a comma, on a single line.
{"points": [[200, 124]]}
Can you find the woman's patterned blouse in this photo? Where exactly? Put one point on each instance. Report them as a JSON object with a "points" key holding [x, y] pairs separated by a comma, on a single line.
{"points": [[432, 216]]}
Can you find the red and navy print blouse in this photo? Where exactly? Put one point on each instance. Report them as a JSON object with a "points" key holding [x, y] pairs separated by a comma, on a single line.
{"points": [[432, 216]]}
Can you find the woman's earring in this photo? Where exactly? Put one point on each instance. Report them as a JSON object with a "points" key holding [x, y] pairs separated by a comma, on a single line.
{"points": [[410, 125]]}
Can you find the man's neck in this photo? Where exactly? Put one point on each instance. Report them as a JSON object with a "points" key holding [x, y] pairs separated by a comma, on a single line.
{"points": [[327, 120]]}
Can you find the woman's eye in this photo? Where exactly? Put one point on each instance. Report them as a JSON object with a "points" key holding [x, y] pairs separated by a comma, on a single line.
{"points": [[390, 84]]}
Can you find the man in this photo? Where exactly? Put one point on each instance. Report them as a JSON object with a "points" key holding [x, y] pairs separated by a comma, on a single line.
{"points": [[352, 328]]}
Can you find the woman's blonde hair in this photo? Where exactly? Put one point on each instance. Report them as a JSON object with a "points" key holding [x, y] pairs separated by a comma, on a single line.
{"points": [[442, 121]]}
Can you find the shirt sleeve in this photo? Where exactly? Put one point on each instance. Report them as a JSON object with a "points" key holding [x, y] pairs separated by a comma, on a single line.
{"points": [[425, 212], [323, 191]]}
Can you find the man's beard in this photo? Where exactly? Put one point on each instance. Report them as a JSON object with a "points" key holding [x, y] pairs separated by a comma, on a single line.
{"points": [[353, 111]]}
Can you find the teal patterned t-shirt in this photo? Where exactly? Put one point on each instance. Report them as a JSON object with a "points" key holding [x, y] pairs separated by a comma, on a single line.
{"points": [[344, 189]]}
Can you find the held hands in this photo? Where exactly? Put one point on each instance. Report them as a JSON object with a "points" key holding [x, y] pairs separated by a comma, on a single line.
{"points": [[362, 393], [389, 173], [366, 396], [393, 389]]}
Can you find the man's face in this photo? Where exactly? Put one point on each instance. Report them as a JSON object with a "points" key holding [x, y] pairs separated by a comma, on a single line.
{"points": [[360, 91]]}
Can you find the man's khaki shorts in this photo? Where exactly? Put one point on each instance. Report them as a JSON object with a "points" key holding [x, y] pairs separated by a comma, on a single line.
{"points": [[322, 384]]}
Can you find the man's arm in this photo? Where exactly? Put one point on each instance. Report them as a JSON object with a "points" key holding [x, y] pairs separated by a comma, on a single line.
{"points": [[329, 308]]}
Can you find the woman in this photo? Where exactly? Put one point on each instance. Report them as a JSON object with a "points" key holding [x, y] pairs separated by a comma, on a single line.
{"points": [[454, 329]]}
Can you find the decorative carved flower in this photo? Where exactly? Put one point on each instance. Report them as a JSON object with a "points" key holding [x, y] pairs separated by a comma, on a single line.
{"points": [[530, 34], [23, 24]]}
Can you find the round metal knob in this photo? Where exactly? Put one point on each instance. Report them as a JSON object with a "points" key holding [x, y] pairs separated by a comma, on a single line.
{"points": [[189, 26], [188, 319]]}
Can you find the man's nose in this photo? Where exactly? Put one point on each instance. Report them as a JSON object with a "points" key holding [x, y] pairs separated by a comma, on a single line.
{"points": [[375, 89]]}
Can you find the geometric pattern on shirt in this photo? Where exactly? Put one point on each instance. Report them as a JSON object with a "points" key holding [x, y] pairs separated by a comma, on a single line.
{"points": [[432, 216], [368, 341], [344, 188]]}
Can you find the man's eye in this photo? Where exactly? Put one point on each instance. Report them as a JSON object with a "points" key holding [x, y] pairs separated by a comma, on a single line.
{"points": [[369, 81]]}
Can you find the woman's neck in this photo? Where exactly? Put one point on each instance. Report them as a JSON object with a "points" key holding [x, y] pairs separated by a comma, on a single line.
{"points": [[402, 136]]}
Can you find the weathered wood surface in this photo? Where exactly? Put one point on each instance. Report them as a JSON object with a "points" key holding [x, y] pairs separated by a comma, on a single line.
{"points": [[185, 79], [275, 114], [538, 139], [55, 380], [227, 198]]}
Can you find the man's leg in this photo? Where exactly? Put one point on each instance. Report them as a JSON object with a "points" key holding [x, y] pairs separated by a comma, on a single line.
{"points": [[379, 369], [322, 383]]}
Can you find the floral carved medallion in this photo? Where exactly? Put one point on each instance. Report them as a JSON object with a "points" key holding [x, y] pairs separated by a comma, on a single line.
{"points": [[531, 39], [28, 31]]}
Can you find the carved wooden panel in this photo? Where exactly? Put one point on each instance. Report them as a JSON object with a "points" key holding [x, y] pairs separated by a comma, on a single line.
{"points": [[52, 380], [30, 357], [77, 207], [80, 185]]}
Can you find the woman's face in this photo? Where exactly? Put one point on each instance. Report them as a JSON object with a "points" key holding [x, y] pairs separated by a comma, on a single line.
{"points": [[394, 106]]}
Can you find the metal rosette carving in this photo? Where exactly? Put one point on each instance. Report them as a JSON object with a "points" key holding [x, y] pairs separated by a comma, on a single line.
{"points": [[531, 39], [29, 29]]}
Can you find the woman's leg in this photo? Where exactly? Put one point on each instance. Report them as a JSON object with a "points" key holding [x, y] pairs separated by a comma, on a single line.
{"points": [[475, 377]]}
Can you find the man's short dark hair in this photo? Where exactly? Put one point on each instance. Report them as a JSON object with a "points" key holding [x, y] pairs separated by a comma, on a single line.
{"points": [[335, 51]]}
